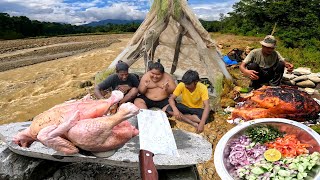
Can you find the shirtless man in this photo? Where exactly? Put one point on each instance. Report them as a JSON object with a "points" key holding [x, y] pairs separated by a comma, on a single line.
{"points": [[154, 88]]}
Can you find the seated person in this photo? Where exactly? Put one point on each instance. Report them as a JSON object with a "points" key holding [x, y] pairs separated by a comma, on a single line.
{"points": [[195, 97], [235, 55], [246, 52], [154, 88], [122, 80], [265, 65]]}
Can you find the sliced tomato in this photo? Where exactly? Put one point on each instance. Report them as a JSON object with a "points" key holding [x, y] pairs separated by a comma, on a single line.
{"points": [[289, 146]]}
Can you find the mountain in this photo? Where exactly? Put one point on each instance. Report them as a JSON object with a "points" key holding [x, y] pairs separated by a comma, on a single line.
{"points": [[112, 21]]}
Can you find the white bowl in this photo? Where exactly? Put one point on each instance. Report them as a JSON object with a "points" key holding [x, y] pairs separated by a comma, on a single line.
{"points": [[303, 132]]}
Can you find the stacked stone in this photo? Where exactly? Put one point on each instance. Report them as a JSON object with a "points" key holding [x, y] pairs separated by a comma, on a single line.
{"points": [[303, 78]]}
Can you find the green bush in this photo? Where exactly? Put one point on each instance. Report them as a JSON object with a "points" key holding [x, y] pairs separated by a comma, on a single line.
{"points": [[302, 57], [7, 35]]}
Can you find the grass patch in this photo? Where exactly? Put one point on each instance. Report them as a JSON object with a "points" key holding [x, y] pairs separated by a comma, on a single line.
{"points": [[102, 75], [299, 57], [302, 57]]}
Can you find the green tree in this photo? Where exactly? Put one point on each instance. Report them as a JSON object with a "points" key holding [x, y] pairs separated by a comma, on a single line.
{"points": [[297, 20]]}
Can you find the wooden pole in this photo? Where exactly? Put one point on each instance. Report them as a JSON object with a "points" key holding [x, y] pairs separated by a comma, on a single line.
{"points": [[274, 29], [177, 50]]}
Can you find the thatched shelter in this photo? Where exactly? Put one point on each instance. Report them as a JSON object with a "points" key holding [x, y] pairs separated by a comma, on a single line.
{"points": [[171, 32]]}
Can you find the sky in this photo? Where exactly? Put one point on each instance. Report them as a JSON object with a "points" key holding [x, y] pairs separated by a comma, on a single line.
{"points": [[79, 12]]}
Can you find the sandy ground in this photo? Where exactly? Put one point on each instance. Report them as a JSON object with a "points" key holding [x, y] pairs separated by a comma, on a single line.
{"points": [[30, 90]]}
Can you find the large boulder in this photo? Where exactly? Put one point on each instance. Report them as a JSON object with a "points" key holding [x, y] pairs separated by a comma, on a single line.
{"points": [[17, 167]]}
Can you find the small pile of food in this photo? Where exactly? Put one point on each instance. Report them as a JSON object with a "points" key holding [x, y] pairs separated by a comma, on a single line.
{"points": [[264, 152], [278, 102]]}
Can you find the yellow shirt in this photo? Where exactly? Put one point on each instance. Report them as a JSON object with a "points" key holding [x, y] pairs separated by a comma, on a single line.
{"points": [[192, 99]]}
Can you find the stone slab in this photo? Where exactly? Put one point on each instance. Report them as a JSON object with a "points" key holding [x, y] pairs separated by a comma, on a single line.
{"points": [[192, 148]]}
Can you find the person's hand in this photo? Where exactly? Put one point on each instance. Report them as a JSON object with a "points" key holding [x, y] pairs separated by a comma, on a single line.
{"points": [[147, 82], [165, 85], [177, 115], [252, 74], [289, 66], [200, 128], [124, 88]]}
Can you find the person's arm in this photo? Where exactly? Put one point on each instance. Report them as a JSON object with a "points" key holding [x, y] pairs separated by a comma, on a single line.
{"points": [[103, 86], [176, 113], [133, 92], [97, 92], [288, 65], [172, 85], [135, 81], [252, 74], [169, 85], [144, 82], [204, 116]]}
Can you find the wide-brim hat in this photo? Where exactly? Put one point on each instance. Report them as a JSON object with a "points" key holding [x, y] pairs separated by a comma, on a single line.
{"points": [[269, 41]]}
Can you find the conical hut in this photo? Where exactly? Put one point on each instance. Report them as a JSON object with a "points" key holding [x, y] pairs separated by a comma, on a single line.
{"points": [[172, 33]]}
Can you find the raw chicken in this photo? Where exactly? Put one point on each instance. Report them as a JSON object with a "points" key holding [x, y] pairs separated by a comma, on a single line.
{"points": [[82, 124], [278, 102]]}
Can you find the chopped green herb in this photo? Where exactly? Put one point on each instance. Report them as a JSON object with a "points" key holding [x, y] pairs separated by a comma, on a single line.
{"points": [[263, 133]]}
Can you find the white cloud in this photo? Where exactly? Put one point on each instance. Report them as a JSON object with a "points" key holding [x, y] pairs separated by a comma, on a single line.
{"points": [[116, 11], [211, 12], [80, 12]]}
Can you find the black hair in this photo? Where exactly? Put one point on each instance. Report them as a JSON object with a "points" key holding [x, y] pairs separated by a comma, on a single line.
{"points": [[190, 76], [122, 66], [156, 65]]}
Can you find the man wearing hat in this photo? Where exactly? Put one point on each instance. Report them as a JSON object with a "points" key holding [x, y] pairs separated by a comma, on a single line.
{"points": [[265, 65]]}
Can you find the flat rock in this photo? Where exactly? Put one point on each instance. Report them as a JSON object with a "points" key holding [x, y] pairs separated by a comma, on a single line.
{"points": [[307, 83], [192, 148], [15, 166], [314, 78], [300, 78], [309, 90], [289, 83], [302, 71], [288, 77]]}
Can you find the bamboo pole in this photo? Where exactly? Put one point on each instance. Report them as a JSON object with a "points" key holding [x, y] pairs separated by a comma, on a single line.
{"points": [[177, 50]]}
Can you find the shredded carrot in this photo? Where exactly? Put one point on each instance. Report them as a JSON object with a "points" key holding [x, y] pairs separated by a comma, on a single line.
{"points": [[289, 146]]}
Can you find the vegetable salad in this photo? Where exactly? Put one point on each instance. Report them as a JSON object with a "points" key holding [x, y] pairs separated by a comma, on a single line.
{"points": [[251, 156]]}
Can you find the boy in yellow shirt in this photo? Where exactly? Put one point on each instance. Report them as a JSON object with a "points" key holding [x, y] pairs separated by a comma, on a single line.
{"points": [[194, 107]]}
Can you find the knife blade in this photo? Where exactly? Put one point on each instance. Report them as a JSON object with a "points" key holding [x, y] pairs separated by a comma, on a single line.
{"points": [[155, 137]]}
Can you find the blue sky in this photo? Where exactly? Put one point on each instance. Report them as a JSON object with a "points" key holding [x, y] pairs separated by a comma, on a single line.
{"points": [[84, 11]]}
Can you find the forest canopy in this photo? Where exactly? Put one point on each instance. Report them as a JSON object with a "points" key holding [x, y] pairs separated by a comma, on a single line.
{"points": [[17, 27], [296, 22]]}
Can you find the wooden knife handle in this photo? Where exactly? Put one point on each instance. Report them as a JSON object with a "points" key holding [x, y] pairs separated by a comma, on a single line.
{"points": [[147, 168]]}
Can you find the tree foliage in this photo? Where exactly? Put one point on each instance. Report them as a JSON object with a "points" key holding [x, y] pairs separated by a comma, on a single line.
{"points": [[298, 21], [16, 27]]}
